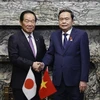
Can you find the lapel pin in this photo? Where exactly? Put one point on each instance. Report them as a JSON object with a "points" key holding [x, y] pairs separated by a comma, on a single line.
{"points": [[70, 39], [37, 39]]}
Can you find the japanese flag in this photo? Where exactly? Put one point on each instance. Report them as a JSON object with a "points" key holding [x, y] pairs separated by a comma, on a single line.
{"points": [[29, 87]]}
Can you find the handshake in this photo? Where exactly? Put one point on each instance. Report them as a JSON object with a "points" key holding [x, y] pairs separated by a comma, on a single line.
{"points": [[38, 66]]}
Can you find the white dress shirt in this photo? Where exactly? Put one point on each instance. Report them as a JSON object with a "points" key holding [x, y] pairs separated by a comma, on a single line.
{"points": [[68, 36]]}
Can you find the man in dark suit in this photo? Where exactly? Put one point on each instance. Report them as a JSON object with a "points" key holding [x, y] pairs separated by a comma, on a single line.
{"points": [[21, 55], [70, 56]]}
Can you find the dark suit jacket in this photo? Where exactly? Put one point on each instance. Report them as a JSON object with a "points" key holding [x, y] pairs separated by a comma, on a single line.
{"points": [[72, 63], [22, 58]]}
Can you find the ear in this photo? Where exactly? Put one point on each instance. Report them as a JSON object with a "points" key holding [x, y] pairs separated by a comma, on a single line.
{"points": [[73, 23], [20, 23]]}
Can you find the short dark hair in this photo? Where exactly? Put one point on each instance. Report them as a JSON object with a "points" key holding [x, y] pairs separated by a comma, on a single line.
{"points": [[66, 10], [25, 12]]}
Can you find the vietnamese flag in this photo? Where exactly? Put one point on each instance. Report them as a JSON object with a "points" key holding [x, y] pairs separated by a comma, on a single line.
{"points": [[47, 88], [29, 87]]}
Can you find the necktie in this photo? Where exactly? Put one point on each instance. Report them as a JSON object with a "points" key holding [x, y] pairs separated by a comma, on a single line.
{"points": [[31, 44], [65, 40]]}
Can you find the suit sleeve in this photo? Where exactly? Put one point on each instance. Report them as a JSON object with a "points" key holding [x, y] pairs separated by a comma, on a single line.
{"points": [[85, 57], [14, 56]]}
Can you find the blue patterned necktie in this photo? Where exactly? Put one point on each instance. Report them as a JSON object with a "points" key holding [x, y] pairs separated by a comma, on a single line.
{"points": [[65, 40], [31, 44]]}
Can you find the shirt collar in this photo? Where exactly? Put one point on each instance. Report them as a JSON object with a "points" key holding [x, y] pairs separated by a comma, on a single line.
{"points": [[68, 32], [26, 34]]}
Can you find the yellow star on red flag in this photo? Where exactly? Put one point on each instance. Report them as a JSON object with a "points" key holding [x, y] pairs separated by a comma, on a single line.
{"points": [[43, 84]]}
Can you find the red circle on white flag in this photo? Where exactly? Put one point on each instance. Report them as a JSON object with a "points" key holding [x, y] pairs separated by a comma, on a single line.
{"points": [[29, 83]]}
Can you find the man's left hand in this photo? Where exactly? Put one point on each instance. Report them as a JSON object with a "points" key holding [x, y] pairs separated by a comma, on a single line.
{"points": [[82, 86]]}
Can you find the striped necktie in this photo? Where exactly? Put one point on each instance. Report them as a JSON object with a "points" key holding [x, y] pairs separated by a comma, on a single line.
{"points": [[31, 44]]}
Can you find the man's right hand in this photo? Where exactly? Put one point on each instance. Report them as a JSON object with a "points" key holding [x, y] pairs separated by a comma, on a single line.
{"points": [[38, 66]]}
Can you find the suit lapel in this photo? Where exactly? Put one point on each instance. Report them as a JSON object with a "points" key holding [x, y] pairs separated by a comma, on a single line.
{"points": [[37, 43], [25, 42], [71, 39], [59, 41]]}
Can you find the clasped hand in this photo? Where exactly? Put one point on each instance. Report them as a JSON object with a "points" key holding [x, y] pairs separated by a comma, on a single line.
{"points": [[38, 66]]}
